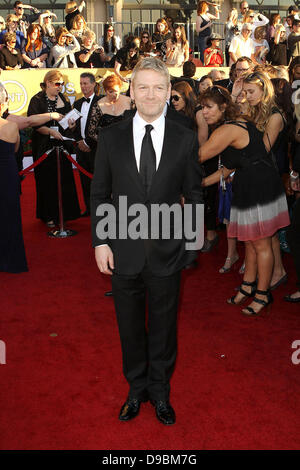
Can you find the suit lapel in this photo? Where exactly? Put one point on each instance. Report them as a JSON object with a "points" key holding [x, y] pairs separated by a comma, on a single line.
{"points": [[127, 146]]}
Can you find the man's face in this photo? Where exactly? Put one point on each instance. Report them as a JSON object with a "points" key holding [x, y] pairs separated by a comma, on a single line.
{"points": [[241, 67], [297, 72], [150, 90], [246, 33], [244, 8], [19, 10], [87, 87], [296, 28]]}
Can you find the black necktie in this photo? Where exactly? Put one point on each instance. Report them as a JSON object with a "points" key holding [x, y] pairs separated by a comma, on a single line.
{"points": [[87, 99], [148, 159]]}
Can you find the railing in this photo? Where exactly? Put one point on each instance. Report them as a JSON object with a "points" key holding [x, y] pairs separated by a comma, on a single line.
{"points": [[123, 29]]}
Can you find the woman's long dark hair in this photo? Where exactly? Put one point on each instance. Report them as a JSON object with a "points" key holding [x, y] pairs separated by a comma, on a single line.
{"points": [[283, 99], [220, 96], [105, 40], [187, 94]]}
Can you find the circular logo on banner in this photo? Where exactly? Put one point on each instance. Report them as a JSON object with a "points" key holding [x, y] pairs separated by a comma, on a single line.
{"points": [[17, 95]]}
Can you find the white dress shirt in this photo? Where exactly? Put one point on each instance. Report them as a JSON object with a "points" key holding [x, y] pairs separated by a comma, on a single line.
{"points": [[85, 107], [157, 135]]}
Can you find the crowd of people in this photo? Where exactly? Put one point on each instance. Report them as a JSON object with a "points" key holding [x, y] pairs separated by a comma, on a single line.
{"points": [[257, 100]]}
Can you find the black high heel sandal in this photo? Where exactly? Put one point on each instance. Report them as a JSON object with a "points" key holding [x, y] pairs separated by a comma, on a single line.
{"points": [[245, 293], [265, 303]]}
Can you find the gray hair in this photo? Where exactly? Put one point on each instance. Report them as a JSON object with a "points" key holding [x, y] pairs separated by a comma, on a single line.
{"points": [[151, 63], [3, 94]]}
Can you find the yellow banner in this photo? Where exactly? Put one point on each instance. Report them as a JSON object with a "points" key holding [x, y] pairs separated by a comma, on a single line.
{"points": [[22, 85]]}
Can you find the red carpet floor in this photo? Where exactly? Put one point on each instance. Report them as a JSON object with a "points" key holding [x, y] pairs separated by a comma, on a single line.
{"points": [[234, 387]]}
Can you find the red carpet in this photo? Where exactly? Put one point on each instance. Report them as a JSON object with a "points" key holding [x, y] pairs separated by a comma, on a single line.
{"points": [[234, 386]]}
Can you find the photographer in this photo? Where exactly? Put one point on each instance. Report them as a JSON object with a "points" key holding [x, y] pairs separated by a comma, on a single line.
{"points": [[62, 54], [91, 55]]}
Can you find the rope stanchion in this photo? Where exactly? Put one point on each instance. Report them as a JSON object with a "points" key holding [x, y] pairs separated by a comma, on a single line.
{"points": [[79, 167], [40, 160]]}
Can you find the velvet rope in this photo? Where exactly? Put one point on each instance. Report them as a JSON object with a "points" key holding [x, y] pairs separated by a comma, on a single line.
{"points": [[40, 160], [86, 173]]}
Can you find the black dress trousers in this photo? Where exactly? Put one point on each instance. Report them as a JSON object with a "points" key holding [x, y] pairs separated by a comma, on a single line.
{"points": [[149, 353]]}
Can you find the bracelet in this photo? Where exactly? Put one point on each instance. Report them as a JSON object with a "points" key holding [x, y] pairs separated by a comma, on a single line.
{"points": [[293, 176]]}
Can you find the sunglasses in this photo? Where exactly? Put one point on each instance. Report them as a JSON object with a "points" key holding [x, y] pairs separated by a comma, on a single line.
{"points": [[218, 89], [145, 37], [58, 83], [175, 98], [20, 8], [254, 75], [111, 30]]}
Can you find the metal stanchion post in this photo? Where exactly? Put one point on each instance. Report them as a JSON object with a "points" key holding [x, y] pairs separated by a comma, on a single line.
{"points": [[62, 232]]}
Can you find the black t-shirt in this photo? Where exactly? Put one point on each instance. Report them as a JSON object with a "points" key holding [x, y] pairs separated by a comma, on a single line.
{"points": [[69, 18], [127, 62], [93, 62]]}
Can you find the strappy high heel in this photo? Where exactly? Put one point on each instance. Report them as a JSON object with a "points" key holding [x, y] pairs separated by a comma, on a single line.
{"points": [[265, 303], [245, 293]]}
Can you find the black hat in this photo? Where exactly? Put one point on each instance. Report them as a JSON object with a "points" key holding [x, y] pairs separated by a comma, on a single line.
{"points": [[293, 8]]}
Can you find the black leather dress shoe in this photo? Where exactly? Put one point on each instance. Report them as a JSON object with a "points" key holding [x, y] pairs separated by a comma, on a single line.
{"points": [[108, 293], [130, 409], [164, 412]]}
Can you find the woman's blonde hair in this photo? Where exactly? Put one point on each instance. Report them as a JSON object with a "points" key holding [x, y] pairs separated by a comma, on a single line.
{"points": [[10, 18], [259, 32], [261, 113], [247, 15], [75, 21], [233, 12]]}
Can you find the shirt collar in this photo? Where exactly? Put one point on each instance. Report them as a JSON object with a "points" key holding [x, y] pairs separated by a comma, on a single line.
{"points": [[140, 123]]}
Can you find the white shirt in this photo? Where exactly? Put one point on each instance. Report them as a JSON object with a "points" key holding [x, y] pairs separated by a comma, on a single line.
{"points": [[240, 47], [157, 136], [85, 107]]}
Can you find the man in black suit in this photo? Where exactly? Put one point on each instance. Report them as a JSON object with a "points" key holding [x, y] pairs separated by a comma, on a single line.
{"points": [[85, 148], [149, 161]]}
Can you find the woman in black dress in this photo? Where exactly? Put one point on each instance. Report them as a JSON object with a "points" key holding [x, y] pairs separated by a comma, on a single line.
{"points": [[12, 252], [110, 108], [50, 99], [259, 206]]}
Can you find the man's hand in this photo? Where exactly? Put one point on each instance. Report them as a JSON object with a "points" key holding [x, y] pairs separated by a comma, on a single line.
{"points": [[83, 147], [104, 259], [71, 124]]}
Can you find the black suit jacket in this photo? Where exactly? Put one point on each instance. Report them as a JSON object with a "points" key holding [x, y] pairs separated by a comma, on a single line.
{"points": [[116, 174], [226, 83], [77, 105]]}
